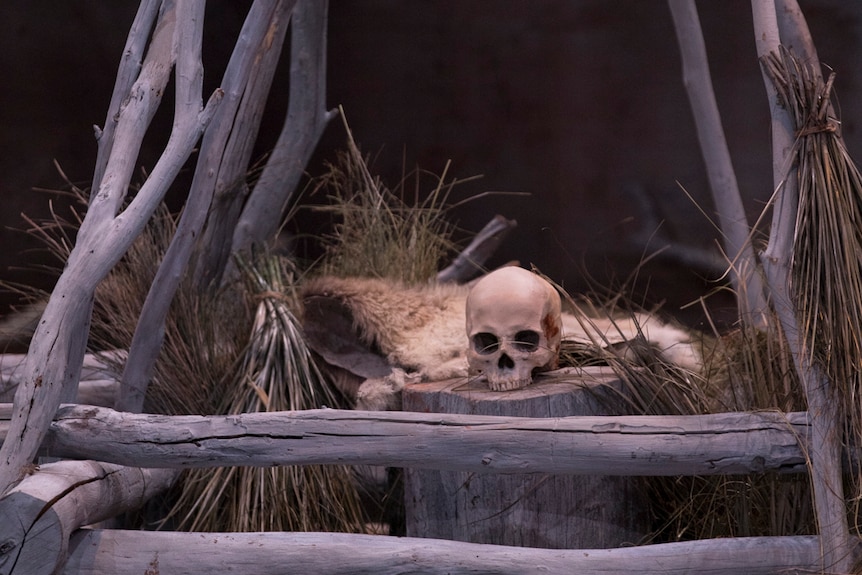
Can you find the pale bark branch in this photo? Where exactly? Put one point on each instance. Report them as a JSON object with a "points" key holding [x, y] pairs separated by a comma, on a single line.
{"points": [[211, 169], [745, 270], [825, 445], [129, 69], [53, 364], [306, 119], [232, 188], [136, 112], [149, 332]]}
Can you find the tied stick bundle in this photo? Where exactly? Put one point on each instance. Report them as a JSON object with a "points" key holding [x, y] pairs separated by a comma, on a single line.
{"points": [[826, 274], [277, 373]]}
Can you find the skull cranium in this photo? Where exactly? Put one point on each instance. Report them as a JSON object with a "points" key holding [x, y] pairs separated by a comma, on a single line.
{"points": [[513, 326]]}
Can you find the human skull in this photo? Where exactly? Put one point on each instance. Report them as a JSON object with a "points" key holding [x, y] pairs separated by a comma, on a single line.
{"points": [[513, 325]]}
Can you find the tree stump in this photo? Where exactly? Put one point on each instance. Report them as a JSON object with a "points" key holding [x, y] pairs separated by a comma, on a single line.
{"points": [[530, 509]]}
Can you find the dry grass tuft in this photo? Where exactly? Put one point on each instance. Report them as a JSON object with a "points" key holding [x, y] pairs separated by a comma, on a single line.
{"points": [[748, 369], [237, 350], [276, 372], [378, 232]]}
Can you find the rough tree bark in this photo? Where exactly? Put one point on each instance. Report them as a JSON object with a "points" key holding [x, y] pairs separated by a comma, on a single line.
{"points": [[94, 552], [237, 141], [724, 443], [307, 117], [209, 221]]}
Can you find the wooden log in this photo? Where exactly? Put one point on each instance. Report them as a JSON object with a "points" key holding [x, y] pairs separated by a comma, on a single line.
{"points": [[552, 511], [96, 367], [95, 552], [725, 443], [101, 392], [42, 511], [469, 263]]}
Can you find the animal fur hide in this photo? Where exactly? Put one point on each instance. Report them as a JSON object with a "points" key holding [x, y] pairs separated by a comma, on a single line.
{"points": [[389, 334]]}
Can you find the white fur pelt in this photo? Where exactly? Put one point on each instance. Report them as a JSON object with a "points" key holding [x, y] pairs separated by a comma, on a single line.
{"points": [[421, 331]]}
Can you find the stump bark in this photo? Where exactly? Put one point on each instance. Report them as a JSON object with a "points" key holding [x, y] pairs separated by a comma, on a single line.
{"points": [[530, 509]]}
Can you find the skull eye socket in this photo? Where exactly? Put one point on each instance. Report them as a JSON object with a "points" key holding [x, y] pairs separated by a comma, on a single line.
{"points": [[526, 340], [485, 343]]}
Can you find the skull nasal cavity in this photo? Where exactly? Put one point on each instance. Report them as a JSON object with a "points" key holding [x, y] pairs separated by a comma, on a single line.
{"points": [[505, 362]]}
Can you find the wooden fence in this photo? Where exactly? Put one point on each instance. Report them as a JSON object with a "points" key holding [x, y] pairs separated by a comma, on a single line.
{"points": [[130, 457]]}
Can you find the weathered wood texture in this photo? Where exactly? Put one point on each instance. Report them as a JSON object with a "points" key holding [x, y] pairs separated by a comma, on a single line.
{"points": [[52, 368], [44, 509], [98, 383], [627, 445], [531, 509], [133, 553]]}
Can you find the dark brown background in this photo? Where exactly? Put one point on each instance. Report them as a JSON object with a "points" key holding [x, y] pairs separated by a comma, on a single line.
{"points": [[578, 102]]}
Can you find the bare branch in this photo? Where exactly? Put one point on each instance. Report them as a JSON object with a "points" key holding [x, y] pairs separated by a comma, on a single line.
{"points": [[130, 67], [136, 112], [95, 551], [250, 74], [578, 445], [53, 364], [306, 119], [745, 270], [825, 449], [210, 170], [468, 264]]}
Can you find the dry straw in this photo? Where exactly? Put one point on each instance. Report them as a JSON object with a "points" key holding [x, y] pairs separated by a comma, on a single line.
{"points": [[382, 233], [276, 372]]}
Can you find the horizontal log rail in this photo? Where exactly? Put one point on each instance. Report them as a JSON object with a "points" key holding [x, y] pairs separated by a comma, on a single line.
{"points": [[95, 551], [725, 443]]}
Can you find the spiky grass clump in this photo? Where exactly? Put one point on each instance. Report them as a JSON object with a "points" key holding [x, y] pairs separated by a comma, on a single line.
{"points": [[377, 232], [276, 373]]}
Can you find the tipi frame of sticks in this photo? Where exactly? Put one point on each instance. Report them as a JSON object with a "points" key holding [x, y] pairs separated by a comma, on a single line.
{"points": [[117, 457]]}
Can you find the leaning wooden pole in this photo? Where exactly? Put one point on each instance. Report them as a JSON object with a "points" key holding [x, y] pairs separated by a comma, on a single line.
{"points": [[745, 272], [825, 447]]}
